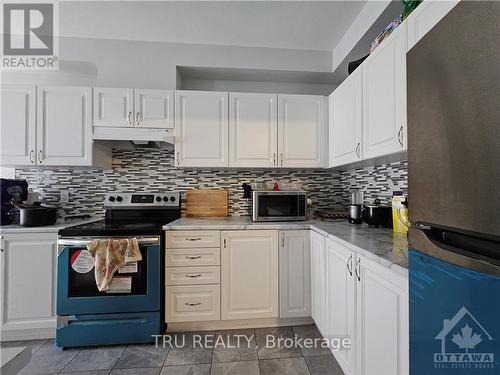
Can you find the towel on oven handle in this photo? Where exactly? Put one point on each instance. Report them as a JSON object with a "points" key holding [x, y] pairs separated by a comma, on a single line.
{"points": [[111, 254]]}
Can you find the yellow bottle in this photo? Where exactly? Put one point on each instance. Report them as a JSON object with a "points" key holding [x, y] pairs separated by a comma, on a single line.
{"points": [[400, 221]]}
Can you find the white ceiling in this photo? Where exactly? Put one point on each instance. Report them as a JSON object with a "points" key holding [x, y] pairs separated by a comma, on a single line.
{"points": [[309, 25]]}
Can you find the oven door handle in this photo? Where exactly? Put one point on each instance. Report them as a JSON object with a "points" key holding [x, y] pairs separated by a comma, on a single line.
{"points": [[74, 242]]}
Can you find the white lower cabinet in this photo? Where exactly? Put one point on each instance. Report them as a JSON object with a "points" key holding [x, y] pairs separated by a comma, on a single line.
{"points": [[295, 274], [28, 267], [318, 290], [189, 303], [249, 264]]}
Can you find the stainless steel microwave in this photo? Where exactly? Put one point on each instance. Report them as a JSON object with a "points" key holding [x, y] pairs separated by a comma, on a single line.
{"points": [[279, 205]]}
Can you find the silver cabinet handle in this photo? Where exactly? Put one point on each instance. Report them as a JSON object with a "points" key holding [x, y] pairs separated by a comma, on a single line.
{"points": [[31, 157], [193, 276], [193, 239], [349, 261], [358, 276], [129, 118], [283, 240], [40, 156], [193, 258], [357, 150], [137, 118], [1, 244], [400, 136], [281, 157], [178, 157], [193, 304], [224, 243], [274, 159]]}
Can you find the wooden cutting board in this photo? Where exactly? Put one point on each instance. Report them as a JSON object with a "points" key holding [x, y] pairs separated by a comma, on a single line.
{"points": [[206, 203]]}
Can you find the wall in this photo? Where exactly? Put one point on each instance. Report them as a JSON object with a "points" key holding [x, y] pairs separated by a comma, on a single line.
{"points": [[154, 170]]}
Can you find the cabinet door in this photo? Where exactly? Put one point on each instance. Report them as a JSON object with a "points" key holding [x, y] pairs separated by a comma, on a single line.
{"points": [[253, 130], [382, 326], [201, 129], [318, 290], [346, 125], [113, 107], [18, 130], [341, 299], [425, 17], [154, 108], [28, 273], [301, 131], [249, 267], [64, 128], [295, 274], [384, 88]]}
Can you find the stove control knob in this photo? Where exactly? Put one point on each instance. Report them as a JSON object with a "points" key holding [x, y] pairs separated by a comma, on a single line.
{"points": [[165, 199], [119, 199], [158, 199], [111, 199], [172, 199]]}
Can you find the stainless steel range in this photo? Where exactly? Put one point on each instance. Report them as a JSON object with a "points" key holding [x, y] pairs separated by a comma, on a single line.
{"points": [[87, 316]]}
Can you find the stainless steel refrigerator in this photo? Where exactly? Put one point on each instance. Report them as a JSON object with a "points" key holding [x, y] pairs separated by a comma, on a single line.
{"points": [[454, 193]]}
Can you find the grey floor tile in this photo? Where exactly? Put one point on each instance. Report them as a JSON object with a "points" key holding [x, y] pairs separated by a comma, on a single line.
{"points": [[311, 332], [193, 349], [98, 358], [142, 356], [236, 368], [49, 359], [98, 372], [136, 371], [237, 345], [323, 365], [186, 370], [35, 344], [276, 343], [284, 366]]}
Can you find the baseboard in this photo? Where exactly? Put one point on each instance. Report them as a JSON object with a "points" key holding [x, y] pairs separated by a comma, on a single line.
{"points": [[28, 334]]}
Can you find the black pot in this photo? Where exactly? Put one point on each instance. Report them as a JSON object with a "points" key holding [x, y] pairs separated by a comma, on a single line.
{"points": [[377, 215], [36, 215]]}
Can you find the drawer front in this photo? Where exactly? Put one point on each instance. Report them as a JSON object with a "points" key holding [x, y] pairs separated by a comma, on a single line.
{"points": [[205, 256], [191, 239], [191, 303], [192, 275]]}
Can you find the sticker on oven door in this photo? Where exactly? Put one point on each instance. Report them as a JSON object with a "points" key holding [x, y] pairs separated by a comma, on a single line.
{"points": [[82, 261], [130, 267], [120, 284]]}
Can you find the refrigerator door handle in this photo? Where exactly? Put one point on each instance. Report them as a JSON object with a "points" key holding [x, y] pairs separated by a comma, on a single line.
{"points": [[422, 243]]}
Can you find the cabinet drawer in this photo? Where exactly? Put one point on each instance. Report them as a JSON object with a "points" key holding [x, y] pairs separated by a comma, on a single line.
{"points": [[192, 275], [191, 239], [205, 256], [191, 303]]}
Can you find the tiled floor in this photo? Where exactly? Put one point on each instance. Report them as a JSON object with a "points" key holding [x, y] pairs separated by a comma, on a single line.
{"points": [[252, 358]]}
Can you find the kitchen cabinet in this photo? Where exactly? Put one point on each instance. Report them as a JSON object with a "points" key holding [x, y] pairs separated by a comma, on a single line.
{"points": [[301, 131], [113, 107], [249, 265], [318, 281], [384, 91], [28, 285], [382, 320], [253, 130], [191, 303], [295, 273], [346, 121], [341, 300], [18, 131], [154, 108], [201, 129], [425, 17]]}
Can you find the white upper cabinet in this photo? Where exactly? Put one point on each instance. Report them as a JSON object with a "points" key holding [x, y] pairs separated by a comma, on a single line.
{"points": [[318, 281], [384, 87], [249, 264], [253, 130], [113, 107], [346, 121], [201, 128], [425, 17], [154, 108], [18, 130], [382, 320], [295, 274], [64, 125], [301, 131]]}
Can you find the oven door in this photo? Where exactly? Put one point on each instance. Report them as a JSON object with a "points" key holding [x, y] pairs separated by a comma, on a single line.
{"points": [[137, 291], [279, 206]]}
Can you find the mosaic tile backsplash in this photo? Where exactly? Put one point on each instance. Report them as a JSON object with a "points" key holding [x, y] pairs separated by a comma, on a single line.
{"points": [[154, 170]]}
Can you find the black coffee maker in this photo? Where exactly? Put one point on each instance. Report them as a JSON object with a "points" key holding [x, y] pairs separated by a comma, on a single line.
{"points": [[11, 191]]}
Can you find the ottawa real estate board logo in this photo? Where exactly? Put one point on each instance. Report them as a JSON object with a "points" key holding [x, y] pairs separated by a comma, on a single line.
{"points": [[463, 340], [30, 35]]}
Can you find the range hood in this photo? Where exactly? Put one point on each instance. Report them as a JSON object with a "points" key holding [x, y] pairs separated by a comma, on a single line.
{"points": [[134, 145], [142, 137]]}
